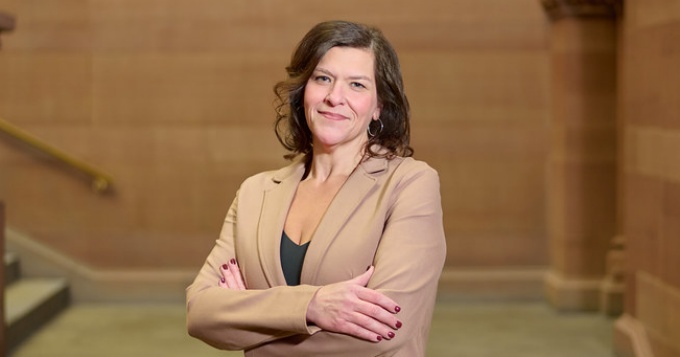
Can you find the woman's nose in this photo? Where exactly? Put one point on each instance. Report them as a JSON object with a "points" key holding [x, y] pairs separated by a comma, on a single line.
{"points": [[335, 95]]}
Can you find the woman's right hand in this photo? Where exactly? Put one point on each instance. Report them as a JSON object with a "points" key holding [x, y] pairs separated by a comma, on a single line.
{"points": [[351, 308], [231, 276]]}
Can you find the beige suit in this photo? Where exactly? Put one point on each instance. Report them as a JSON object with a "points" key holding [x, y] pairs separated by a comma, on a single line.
{"points": [[388, 214]]}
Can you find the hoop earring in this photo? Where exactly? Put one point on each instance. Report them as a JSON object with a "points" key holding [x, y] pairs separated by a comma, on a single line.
{"points": [[379, 130]]}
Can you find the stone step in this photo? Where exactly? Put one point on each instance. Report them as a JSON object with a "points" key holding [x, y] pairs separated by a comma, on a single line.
{"points": [[31, 303], [12, 270]]}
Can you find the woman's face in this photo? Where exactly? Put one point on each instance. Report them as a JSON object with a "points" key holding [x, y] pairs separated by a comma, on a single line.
{"points": [[341, 98]]}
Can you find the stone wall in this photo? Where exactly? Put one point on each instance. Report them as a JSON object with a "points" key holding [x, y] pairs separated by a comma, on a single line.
{"points": [[649, 107], [174, 101]]}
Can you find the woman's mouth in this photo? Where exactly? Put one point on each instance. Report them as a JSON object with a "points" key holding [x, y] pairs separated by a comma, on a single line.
{"points": [[332, 115]]}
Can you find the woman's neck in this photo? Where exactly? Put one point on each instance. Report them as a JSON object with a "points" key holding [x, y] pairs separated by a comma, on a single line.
{"points": [[327, 165]]}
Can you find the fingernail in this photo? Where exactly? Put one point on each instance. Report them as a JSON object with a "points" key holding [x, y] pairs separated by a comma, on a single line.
{"points": [[390, 334], [397, 308], [233, 261], [222, 280], [225, 267], [398, 324], [379, 338]]}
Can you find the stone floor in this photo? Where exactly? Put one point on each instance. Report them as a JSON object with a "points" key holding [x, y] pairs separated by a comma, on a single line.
{"points": [[459, 329]]}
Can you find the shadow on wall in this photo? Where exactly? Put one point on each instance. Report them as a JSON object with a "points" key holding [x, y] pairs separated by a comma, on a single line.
{"points": [[7, 23]]}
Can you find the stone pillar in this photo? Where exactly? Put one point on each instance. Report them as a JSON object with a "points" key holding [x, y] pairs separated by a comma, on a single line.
{"points": [[582, 164]]}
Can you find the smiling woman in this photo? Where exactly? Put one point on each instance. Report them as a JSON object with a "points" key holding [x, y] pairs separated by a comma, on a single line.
{"points": [[292, 130], [340, 252], [340, 100]]}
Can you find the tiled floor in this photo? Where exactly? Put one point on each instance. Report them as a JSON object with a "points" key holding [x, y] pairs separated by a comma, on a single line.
{"points": [[459, 329], [517, 330]]}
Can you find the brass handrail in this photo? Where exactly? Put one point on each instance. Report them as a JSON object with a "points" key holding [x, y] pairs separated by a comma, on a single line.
{"points": [[101, 182]]}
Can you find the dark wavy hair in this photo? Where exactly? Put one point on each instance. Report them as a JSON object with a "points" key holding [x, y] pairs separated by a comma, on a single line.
{"points": [[291, 125]]}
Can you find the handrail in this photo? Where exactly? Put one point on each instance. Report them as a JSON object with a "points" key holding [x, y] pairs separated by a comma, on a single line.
{"points": [[101, 182]]}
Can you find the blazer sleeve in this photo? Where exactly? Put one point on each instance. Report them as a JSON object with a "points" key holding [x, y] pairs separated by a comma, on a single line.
{"points": [[408, 263], [237, 320]]}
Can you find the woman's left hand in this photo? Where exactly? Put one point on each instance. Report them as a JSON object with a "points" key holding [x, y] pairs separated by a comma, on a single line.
{"points": [[231, 276]]}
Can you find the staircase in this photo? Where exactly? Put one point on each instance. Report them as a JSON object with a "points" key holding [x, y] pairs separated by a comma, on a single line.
{"points": [[29, 302]]}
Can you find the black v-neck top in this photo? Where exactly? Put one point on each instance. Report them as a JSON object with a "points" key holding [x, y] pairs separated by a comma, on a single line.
{"points": [[292, 257]]}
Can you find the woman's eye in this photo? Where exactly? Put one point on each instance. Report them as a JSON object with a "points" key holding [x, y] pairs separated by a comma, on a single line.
{"points": [[322, 79], [358, 85]]}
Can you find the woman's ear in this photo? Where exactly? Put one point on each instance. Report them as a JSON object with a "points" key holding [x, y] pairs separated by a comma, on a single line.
{"points": [[376, 113]]}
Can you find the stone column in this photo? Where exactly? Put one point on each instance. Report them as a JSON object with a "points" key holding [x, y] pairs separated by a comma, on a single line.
{"points": [[582, 187]]}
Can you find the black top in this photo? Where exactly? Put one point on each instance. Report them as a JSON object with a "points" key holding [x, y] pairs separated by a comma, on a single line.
{"points": [[292, 257]]}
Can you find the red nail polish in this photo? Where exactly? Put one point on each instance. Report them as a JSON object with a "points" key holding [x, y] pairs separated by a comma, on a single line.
{"points": [[397, 308], [379, 338], [390, 334], [222, 280], [398, 324], [233, 261], [225, 267]]}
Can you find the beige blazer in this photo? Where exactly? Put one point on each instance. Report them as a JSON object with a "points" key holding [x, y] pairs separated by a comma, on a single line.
{"points": [[387, 214]]}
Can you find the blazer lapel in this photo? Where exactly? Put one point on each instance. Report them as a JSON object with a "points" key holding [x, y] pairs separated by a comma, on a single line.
{"points": [[345, 202], [275, 205]]}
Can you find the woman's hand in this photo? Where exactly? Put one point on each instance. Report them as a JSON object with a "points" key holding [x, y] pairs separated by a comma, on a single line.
{"points": [[351, 308], [231, 276]]}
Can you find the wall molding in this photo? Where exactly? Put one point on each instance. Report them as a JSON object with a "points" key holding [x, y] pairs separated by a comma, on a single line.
{"points": [[88, 284], [569, 294], [493, 284]]}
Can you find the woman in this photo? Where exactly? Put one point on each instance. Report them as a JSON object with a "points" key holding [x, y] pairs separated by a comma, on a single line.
{"points": [[339, 253]]}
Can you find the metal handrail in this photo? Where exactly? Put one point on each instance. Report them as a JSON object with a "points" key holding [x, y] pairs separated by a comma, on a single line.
{"points": [[101, 182]]}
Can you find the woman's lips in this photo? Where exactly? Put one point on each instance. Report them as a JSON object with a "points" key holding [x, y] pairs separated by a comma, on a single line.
{"points": [[332, 116]]}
